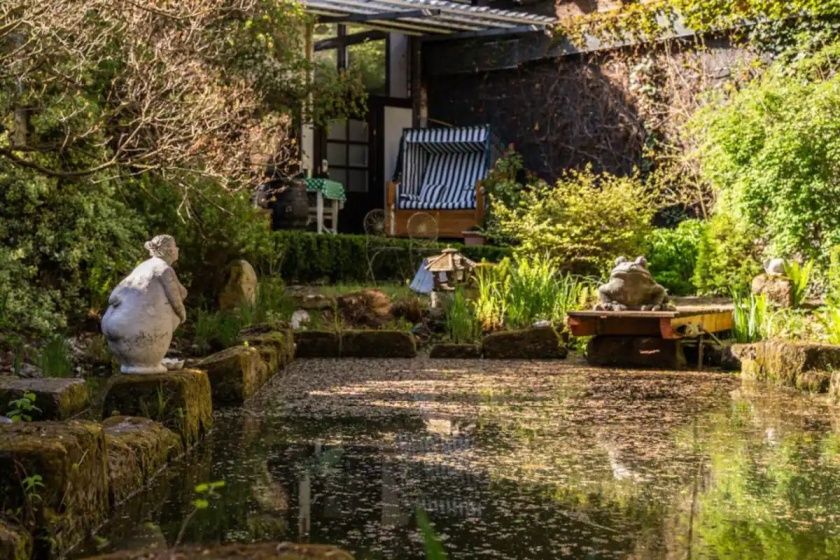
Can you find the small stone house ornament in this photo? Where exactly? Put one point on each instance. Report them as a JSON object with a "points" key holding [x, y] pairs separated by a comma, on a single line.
{"points": [[145, 309], [448, 269]]}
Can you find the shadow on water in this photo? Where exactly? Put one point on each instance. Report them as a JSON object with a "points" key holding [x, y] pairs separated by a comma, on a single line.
{"points": [[510, 460]]}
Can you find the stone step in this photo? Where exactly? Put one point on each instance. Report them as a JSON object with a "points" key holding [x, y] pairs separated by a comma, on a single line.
{"points": [[57, 398]]}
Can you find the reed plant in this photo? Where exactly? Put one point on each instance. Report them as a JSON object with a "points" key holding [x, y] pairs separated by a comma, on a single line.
{"points": [[800, 279], [751, 318], [461, 322], [54, 358]]}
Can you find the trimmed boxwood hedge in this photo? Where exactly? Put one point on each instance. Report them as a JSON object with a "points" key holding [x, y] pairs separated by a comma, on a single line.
{"points": [[310, 257]]}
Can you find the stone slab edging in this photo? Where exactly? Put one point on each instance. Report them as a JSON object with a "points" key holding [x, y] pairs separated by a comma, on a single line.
{"points": [[355, 344], [56, 398], [261, 551], [535, 343], [805, 366]]}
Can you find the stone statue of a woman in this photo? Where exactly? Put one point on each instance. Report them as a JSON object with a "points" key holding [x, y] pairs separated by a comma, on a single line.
{"points": [[145, 309]]}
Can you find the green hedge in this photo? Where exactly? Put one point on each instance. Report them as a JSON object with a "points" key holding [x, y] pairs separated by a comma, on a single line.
{"points": [[309, 257]]}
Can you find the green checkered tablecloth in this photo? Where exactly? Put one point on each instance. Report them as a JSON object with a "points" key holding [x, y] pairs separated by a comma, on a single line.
{"points": [[327, 187]]}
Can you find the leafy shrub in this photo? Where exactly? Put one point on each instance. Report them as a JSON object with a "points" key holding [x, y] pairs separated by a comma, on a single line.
{"points": [[460, 320], [217, 330], [726, 257], [309, 257], [772, 150], [831, 321], [672, 255], [750, 318], [832, 278], [584, 221]]}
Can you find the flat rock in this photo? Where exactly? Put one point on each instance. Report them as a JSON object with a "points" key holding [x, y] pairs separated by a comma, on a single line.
{"points": [[71, 460], [536, 343], [377, 344], [802, 365], [180, 400], [15, 542], [635, 351], [138, 448], [235, 374], [58, 398], [778, 289], [262, 551], [453, 351], [317, 344]]}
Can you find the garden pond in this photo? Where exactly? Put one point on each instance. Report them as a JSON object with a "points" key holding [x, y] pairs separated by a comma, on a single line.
{"points": [[525, 460]]}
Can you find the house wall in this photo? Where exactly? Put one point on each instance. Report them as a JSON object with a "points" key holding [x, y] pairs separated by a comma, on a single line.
{"points": [[568, 111]]}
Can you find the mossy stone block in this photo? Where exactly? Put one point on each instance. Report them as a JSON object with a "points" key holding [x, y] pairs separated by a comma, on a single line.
{"points": [[138, 448], [317, 344], [537, 343], [277, 344], [180, 400], [261, 551], [802, 365], [635, 351], [377, 344], [15, 542], [235, 374], [58, 398], [71, 497], [453, 351]]}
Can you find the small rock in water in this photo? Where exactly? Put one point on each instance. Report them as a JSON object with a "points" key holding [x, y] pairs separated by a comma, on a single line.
{"points": [[542, 324], [5, 420]]}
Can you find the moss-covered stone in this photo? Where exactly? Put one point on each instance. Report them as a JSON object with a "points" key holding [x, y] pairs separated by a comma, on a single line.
{"points": [[180, 400], [138, 448], [801, 365], [57, 399], [64, 466], [317, 344], [15, 542], [377, 344], [635, 351], [536, 343], [261, 551], [235, 374], [281, 342], [452, 351]]}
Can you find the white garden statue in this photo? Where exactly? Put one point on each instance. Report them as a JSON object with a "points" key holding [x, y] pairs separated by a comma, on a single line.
{"points": [[145, 309]]}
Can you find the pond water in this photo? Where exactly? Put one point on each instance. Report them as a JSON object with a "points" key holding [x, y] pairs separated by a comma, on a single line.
{"points": [[520, 460]]}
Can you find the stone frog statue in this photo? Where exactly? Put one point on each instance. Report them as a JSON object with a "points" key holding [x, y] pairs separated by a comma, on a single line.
{"points": [[631, 287], [145, 309]]}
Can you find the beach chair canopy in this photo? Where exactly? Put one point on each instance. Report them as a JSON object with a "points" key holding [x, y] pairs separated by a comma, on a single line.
{"points": [[439, 167]]}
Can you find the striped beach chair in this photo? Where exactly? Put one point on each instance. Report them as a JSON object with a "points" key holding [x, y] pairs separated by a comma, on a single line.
{"points": [[439, 171]]}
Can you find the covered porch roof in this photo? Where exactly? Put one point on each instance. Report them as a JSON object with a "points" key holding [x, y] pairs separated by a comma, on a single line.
{"points": [[427, 17]]}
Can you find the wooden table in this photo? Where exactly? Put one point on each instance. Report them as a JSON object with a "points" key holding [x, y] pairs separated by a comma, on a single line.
{"points": [[669, 325]]}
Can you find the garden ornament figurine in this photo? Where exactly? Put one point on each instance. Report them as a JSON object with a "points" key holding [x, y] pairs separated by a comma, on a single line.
{"points": [[145, 309], [774, 267], [631, 287]]}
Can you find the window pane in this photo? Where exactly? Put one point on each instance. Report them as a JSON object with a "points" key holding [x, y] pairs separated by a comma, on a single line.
{"points": [[336, 153], [358, 181], [358, 155], [358, 130], [339, 175], [369, 59], [337, 130]]}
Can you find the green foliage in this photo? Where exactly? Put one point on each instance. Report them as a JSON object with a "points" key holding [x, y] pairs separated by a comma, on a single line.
{"points": [[20, 410], [750, 318], [831, 321], [62, 245], [584, 221], [431, 542], [521, 292], [217, 330], [309, 257], [726, 256], [771, 151], [672, 255], [800, 278], [272, 304], [832, 278], [460, 319], [54, 359]]}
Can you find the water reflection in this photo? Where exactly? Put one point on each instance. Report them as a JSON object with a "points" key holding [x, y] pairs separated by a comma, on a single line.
{"points": [[513, 460]]}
